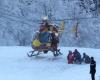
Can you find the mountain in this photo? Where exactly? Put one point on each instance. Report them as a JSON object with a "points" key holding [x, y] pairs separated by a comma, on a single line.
{"points": [[20, 19]]}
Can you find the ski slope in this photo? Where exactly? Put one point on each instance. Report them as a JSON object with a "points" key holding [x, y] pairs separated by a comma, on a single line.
{"points": [[15, 65]]}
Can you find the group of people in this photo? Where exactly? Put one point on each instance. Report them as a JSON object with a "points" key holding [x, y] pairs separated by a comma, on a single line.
{"points": [[75, 57]]}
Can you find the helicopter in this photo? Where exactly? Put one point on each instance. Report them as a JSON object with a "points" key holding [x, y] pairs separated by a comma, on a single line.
{"points": [[47, 39]]}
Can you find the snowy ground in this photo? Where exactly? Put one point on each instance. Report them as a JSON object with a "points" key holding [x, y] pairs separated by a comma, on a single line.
{"points": [[15, 65]]}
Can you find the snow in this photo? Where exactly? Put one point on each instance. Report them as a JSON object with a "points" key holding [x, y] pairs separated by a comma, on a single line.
{"points": [[19, 21], [15, 65]]}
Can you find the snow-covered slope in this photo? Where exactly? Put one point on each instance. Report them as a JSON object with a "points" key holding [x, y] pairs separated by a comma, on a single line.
{"points": [[15, 65]]}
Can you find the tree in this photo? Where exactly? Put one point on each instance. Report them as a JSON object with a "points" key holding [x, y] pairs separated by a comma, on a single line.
{"points": [[90, 6]]}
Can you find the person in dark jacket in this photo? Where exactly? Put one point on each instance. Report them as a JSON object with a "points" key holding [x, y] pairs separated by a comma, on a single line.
{"points": [[54, 42], [86, 58], [92, 68], [77, 57]]}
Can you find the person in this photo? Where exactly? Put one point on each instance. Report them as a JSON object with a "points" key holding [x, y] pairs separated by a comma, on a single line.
{"points": [[45, 25], [86, 58], [54, 43], [77, 57], [70, 57], [92, 68]]}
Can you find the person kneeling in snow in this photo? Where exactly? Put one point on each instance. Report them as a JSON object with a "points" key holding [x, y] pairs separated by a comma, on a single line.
{"points": [[77, 58], [86, 58]]}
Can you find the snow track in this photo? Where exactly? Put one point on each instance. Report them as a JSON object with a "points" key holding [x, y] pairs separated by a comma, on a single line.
{"points": [[15, 65]]}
